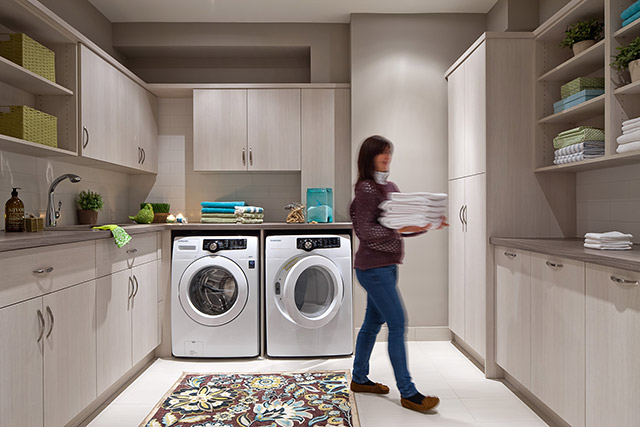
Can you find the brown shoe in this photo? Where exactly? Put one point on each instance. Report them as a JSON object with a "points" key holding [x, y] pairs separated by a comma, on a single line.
{"points": [[428, 403], [376, 388]]}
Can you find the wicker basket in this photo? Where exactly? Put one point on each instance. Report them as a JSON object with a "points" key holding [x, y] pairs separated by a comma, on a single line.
{"points": [[29, 124], [28, 53]]}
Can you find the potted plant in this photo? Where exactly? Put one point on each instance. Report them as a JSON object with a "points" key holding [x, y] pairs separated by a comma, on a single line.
{"points": [[160, 211], [89, 203], [628, 58], [582, 35]]}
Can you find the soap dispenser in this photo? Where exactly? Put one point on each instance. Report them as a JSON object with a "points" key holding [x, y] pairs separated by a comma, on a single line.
{"points": [[14, 213]]}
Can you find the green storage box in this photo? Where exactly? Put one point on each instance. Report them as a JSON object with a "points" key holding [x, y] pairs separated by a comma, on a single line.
{"points": [[580, 84], [20, 121], [28, 53]]}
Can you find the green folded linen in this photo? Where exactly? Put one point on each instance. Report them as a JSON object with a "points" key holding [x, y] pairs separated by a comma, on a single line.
{"points": [[250, 221], [120, 236], [218, 215], [249, 215], [578, 135], [219, 220]]}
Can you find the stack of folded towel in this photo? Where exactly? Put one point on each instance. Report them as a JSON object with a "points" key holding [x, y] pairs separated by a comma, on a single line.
{"points": [[249, 214], [613, 240], [420, 209], [574, 145], [230, 213], [630, 14], [630, 138]]}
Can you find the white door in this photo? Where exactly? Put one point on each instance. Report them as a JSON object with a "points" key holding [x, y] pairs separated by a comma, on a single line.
{"points": [[144, 316], [456, 257]]}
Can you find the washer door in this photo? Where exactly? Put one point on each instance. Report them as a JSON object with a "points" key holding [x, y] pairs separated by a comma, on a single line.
{"points": [[312, 291], [213, 290]]}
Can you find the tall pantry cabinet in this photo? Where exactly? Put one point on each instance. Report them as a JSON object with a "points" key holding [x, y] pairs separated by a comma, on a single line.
{"points": [[492, 188]]}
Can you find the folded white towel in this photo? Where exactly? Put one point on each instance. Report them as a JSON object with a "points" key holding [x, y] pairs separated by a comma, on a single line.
{"points": [[417, 196], [626, 138], [631, 127], [399, 222], [607, 248], [614, 243], [626, 148], [631, 121], [393, 207], [610, 235]]}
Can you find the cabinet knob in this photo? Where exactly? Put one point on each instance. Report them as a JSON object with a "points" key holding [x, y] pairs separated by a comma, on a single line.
{"points": [[553, 264], [43, 270], [510, 254], [624, 281], [132, 251]]}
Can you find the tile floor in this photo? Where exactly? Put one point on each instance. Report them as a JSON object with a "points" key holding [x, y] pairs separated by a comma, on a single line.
{"points": [[467, 398]]}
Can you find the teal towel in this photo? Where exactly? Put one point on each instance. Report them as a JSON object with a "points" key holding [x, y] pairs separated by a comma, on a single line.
{"points": [[631, 19], [218, 210], [120, 236], [630, 11], [221, 204]]}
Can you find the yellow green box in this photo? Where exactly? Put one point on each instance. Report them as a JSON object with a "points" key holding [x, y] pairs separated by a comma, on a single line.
{"points": [[20, 121], [28, 53]]}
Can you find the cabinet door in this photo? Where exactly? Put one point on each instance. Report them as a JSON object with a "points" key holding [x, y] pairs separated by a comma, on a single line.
{"points": [[145, 310], [318, 138], [70, 353], [113, 312], [220, 130], [274, 129], [613, 347], [21, 399], [557, 336], [457, 122], [127, 144], [475, 111], [513, 313], [456, 258], [148, 130]]}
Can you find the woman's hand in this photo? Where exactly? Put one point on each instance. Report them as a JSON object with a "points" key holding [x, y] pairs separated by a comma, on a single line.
{"points": [[414, 229], [443, 223]]}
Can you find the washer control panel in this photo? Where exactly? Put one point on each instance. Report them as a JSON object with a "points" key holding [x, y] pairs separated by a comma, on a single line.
{"points": [[215, 245], [309, 244]]}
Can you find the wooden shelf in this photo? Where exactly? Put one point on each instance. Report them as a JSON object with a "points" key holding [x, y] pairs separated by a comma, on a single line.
{"points": [[630, 31], [28, 81], [580, 65], [591, 108], [630, 89], [606, 161], [20, 146], [576, 10]]}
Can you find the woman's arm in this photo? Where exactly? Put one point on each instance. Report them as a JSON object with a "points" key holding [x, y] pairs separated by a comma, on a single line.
{"points": [[366, 212]]}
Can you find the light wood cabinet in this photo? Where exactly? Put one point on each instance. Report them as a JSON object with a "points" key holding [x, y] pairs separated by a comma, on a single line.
{"points": [[457, 253], [144, 315], [143, 248], [513, 313], [557, 335], [456, 109], [612, 346]]}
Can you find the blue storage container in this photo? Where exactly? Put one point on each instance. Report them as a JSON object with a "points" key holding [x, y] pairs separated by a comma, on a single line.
{"points": [[320, 204], [575, 99]]}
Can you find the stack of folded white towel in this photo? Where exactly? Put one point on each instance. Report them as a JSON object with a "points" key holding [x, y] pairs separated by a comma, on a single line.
{"points": [[630, 138], [613, 240], [419, 209]]}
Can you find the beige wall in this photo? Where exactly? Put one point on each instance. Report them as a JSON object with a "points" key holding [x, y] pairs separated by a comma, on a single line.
{"points": [[513, 15], [398, 90], [548, 7]]}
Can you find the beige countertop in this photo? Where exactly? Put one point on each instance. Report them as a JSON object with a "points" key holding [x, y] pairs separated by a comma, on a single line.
{"points": [[573, 249], [80, 233]]}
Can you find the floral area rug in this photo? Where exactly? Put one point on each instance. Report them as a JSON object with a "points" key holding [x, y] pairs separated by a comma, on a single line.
{"points": [[305, 399]]}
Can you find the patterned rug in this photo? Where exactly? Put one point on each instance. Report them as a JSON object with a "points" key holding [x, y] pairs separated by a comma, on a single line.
{"points": [[305, 399]]}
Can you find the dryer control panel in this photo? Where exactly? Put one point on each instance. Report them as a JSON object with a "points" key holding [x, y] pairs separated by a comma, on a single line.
{"points": [[309, 244], [215, 245]]}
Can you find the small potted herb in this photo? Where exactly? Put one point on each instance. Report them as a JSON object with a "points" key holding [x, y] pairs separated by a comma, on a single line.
{"points": [[89, 203], [628, 58], [582, 35], [160, 211]]}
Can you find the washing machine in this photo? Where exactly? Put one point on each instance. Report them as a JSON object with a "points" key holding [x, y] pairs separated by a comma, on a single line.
{"points": [[215, 297], [308, 294]]}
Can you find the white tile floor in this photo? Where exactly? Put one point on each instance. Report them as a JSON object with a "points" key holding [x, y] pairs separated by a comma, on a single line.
{"points": [[467, 398]]}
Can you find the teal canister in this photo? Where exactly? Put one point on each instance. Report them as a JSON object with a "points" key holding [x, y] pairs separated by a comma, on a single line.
{"points": [[320, 204]]}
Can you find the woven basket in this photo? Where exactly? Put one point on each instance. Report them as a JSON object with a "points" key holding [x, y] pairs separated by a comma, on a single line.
{"points": [[28, 53], [29, 124]]}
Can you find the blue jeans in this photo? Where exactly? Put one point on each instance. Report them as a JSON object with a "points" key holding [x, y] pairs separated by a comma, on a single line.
{"points": [[383, 306]]}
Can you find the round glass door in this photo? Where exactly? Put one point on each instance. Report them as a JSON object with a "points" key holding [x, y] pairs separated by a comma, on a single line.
{"points": [[213, 290]]}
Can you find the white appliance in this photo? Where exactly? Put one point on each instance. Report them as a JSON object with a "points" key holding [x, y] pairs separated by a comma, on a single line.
{"points": [[215, 297], [308, 294]]}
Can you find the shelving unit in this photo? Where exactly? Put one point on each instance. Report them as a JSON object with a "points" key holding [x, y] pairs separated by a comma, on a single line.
{"points": [[592, 108]]}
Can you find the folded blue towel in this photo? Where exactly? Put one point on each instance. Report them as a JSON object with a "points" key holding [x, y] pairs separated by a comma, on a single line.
{"points": [[218, 210], [630, 11], [221, 204], [631, 19]]}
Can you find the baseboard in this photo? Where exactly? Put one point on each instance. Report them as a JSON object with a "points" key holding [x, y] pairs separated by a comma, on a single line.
{"points": [[417, 333], [470, 353]]}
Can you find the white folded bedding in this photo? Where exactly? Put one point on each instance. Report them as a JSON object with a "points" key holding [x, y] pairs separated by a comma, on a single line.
{"points": [[626, 148], [626, 138]]}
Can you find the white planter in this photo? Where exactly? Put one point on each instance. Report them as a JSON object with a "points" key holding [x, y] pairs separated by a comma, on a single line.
{"points": [[634, 70], [580, 47]]}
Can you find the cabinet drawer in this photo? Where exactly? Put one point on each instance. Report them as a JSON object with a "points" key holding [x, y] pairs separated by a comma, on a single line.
{"points": [[28, 273], [110, 258]]}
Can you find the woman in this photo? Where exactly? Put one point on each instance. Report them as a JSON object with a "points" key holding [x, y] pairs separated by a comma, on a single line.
{"points": [[376, 263]]}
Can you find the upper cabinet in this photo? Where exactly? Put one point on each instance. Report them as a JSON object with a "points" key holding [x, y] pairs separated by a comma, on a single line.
{"points": [[246, 129]]}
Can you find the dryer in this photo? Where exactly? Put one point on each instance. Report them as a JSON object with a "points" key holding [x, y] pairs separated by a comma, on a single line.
{"points": [[215, 297], [308, 296]]}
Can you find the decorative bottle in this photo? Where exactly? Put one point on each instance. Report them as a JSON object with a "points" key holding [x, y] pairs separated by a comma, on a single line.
{"points": [[14, 213]]}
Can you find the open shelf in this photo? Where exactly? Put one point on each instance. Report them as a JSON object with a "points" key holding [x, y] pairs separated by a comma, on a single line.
{"points": [[606, 161], [580, 65], [588, 109], [630, 31], [20, 146], [576, 10], [28, 81], [630, 89]]}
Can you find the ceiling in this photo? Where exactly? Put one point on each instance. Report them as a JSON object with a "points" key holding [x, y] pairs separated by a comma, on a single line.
{"points": [[327, 11]]}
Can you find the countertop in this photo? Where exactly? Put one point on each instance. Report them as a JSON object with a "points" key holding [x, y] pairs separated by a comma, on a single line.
{"points": [[573, 249], [80, 233]]}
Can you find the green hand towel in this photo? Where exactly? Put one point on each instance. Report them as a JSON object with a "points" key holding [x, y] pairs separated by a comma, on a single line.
{"points": [[120, 236]]}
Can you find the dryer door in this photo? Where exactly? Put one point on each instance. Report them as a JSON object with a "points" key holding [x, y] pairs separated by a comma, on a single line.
{"points": [[213, 290], [312, 291]]}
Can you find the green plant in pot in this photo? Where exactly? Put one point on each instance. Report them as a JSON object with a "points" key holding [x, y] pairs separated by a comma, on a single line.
{"points": [[582, 35], [628, 58], [160, 211], [89, 203]]}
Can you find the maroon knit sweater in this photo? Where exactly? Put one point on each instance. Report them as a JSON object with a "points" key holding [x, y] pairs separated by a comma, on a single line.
{"points": [[379, 245]]}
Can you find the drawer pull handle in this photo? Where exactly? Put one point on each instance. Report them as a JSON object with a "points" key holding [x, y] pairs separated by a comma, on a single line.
{"points": [[43, 270], [625, 281], [510, 254], [40, 325], [50, 314], [135, 279], [132, 251], [130, 288], [553, 264]]}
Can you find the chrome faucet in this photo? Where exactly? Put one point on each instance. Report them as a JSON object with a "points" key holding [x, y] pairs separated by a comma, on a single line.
{"points": [[52, 213]]}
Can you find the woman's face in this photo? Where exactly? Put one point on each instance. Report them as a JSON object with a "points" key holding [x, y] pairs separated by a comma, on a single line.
{"points": [[382, 161]]}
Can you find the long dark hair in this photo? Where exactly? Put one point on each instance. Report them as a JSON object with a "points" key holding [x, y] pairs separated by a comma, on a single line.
{"points": [[369, 149]]}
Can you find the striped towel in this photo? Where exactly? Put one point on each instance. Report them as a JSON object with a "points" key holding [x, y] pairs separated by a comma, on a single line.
{"points": [[221, 204], [218, 210], [247, 209], [249, 221], [587, 147], [249, 215]]}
